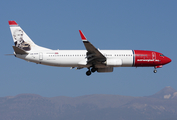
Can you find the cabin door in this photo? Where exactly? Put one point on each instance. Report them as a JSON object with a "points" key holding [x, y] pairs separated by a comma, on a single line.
{"points": [[153, 55], [40, 56]]}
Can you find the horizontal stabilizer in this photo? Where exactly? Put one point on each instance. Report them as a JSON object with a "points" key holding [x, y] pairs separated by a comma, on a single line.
{"points": [[9, 54], [19, 51]]}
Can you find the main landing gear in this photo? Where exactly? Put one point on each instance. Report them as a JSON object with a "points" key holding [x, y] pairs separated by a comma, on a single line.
{"points": [[89, 72]]}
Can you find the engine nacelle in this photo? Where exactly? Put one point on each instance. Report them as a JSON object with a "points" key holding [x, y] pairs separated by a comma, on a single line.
{"points": [[114, 62], [108, 69]]}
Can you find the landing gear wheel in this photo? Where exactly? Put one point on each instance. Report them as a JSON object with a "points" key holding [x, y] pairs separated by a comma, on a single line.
{"points": [[93, 69], [155, 71], [88, 73]]}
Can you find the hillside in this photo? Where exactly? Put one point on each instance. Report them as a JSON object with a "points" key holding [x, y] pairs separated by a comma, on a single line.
{"points": [[160, 106]]}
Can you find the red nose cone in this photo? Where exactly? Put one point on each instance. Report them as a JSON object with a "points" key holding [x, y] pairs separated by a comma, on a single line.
{"points": [[168, 60], [165, 60]]}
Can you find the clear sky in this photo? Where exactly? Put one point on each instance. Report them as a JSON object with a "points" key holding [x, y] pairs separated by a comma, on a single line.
{"points": [[113, 24]]}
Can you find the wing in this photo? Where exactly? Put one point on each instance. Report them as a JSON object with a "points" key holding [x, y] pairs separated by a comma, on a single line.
{"points": [[94, 56]]}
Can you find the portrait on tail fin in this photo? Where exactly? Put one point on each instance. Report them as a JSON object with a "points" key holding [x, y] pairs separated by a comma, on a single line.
{"points": [[19, 41]]}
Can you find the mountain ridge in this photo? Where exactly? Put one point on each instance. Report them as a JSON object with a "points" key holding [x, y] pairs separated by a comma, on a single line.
{"points": [[95, 107], [166, 93]]}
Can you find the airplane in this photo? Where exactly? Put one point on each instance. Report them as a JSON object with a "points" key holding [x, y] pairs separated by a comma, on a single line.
{"points": [[95, 60]]}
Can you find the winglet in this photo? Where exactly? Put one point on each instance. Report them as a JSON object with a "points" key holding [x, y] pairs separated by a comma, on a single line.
{"points": [[82, 36], [93, 54], [12, 23]]}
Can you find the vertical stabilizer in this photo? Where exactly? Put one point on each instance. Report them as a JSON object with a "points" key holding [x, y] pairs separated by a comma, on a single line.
{"points": [[21, 39]]}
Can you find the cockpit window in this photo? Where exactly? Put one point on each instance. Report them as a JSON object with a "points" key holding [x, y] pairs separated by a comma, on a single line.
{"points": [[162, 55]]}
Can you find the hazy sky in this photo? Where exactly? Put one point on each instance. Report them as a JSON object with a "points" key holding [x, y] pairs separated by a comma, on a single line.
{"points": [[113, 24]]}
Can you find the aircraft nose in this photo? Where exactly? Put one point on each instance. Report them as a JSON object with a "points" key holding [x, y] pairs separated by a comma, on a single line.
{"points": [[168, 60]]}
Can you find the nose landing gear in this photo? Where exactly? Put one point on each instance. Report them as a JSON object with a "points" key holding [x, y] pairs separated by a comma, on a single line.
{"points": [[154, 70]]}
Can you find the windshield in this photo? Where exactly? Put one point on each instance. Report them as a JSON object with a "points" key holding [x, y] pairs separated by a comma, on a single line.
{"points": [[162, 55]]}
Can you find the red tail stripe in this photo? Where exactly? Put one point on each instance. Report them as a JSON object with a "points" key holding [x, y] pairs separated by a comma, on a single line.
{"points": [[12, 23]]}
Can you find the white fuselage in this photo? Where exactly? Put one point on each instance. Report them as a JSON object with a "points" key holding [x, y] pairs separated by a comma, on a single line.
{"points": [[77, 58]]}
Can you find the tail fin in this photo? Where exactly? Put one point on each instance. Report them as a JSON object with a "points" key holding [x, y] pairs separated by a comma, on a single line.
{"points": [[21, 39]]}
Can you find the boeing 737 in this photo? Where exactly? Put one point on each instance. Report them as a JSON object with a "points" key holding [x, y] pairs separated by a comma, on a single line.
{"points": [[92, 58]]}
